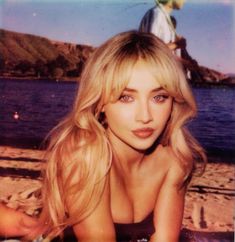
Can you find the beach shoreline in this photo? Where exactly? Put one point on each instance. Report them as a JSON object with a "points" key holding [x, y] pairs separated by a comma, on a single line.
{"points": [[209, 204], [37, 143]]}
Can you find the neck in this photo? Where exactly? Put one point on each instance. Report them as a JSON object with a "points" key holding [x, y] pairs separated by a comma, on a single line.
{"points": [[125, 158], [127, 163]]}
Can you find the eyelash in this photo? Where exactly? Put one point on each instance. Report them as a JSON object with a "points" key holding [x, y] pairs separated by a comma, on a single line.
{"points": [[158, 98], [161, 98], [122, 98]]}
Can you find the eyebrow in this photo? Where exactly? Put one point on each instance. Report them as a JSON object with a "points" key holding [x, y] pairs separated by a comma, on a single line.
{"points": [[127, 89]]}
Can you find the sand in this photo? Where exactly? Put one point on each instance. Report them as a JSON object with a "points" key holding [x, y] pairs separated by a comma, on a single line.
{"points": [[209, 202]]}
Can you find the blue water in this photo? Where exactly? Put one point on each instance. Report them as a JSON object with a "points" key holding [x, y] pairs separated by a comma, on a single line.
{"points": [[41, 104]]}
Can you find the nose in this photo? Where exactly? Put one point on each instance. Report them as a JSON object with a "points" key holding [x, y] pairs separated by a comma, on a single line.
{"points": [[143, 112]]}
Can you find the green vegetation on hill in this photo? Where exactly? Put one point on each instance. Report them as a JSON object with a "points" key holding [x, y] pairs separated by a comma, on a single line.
{"points": [[25, 55]]}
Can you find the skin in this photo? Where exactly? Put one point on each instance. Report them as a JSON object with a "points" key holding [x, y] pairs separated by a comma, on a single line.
{"points": [[14, 223], [138, 183], [174, 4], [178, 4]]}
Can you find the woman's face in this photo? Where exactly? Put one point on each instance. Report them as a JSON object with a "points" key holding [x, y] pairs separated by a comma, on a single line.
{"points": [[139, 116]]}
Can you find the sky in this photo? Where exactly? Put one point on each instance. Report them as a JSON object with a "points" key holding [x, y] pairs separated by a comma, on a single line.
{"points": [[208, 25]]}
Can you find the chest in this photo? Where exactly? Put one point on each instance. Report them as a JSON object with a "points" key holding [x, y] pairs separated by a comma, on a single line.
{"points": [[132, 199]]}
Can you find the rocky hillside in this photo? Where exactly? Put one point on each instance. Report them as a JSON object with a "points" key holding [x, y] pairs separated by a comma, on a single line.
{"points": [[29, 55], [201, 75]]}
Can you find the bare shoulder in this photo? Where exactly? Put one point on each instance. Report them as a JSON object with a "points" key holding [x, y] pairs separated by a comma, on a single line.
{"points": [[178, 170]]}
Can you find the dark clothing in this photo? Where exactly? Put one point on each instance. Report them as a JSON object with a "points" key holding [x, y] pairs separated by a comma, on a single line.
{"points": [[135, 232], [142, 231]]}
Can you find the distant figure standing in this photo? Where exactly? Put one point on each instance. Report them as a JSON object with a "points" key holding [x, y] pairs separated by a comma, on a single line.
{"points": [[157, 20], [191, 66]]}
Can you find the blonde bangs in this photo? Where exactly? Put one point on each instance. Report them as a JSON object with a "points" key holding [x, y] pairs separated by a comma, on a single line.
{"points": [[116, 78], [167, 72]]}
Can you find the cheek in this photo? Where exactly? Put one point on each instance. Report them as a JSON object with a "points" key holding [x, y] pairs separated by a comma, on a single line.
{"points": [[164, 113], [118, 117]]}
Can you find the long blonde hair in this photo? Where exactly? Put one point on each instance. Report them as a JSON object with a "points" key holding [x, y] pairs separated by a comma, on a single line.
{"points": [[79, 154]]}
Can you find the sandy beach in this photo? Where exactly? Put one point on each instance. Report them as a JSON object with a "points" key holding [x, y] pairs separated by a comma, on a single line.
{"points": [[209, 202]]}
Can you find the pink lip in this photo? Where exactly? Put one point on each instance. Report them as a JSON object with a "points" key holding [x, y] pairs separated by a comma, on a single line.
{"points": [[143, 133]]}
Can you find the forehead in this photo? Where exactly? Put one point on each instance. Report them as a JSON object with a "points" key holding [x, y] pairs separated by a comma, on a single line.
{"points": [[142, 78]]}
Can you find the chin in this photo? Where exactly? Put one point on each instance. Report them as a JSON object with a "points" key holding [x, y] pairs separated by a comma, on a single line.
{"points": [[144, 146]]}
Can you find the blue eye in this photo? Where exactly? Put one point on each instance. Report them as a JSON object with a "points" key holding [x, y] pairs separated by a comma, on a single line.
{"points": [[125, 98], [160, 98]]}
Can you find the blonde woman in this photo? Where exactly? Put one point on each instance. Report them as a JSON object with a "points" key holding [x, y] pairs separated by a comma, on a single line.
{"points": [[119, 163]]}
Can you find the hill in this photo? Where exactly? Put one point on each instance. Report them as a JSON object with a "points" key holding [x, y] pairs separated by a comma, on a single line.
{"points": [[29, 55], [201, 75]]}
